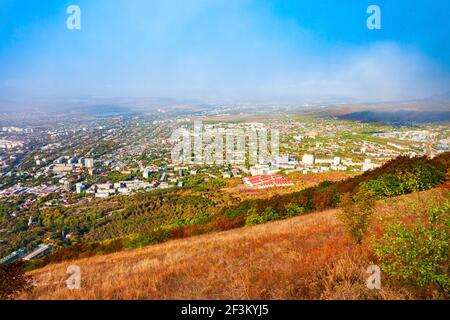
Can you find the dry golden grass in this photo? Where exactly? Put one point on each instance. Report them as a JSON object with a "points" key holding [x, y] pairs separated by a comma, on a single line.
{"points": [[263, 261], [307, 257], [313, 179]]}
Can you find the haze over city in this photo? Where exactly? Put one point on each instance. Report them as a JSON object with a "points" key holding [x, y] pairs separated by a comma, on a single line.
{"points": [[248, 50]]}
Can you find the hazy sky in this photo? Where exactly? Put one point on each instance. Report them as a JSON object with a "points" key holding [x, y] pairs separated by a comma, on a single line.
{"points": [[225, 49]]}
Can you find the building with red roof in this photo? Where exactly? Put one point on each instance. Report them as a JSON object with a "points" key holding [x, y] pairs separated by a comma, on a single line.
{"points": [[267, 181]]}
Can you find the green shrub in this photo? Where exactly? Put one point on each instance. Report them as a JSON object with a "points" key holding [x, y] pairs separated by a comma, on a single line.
{"points": [[387, 185], [355, 213], [422, 176], [201, 218], [418, 176], [254, 219], [241, 209], [152, 237], [268, 215], [419, 253], [336, 198], [293, 210]]}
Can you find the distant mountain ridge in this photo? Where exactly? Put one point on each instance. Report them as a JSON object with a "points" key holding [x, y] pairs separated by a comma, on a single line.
{"points": [[398, 117], [443, 97]]}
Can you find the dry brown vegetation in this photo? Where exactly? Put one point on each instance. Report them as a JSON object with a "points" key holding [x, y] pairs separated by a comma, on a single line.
{"points": [[301, 182], [306, 257], [311, 180]]}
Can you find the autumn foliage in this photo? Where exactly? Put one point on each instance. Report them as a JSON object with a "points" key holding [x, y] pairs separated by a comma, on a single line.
{"points": [[152, 219]]}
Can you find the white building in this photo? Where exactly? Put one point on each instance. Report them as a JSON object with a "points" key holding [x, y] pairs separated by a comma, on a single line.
{"points": [[336, 161], [308, 159], [368, 165]]}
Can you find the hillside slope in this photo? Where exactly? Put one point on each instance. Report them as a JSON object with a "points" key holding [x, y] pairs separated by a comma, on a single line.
{"points": [[309, 256], [151, 218]]}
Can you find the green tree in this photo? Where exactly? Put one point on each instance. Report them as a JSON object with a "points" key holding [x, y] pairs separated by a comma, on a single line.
{"points": [[269, 214], [293, 210], [422, 176], [387, 185]]}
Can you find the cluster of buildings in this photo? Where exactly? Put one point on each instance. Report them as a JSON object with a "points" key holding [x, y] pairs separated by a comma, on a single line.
{"points": [[104, 190], [311, 164], [409, 135], [17, 130], [18, 190], [10, 144], [68, 164], [443, 145]]}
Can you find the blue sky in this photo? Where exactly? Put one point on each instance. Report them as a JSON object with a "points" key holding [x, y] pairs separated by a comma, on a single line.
{"points": [[287, 50]]}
